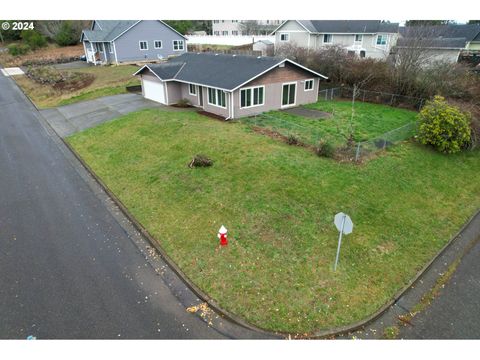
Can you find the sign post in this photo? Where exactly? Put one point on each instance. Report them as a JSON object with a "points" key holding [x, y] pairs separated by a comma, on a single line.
{"points": [[345, 226]]}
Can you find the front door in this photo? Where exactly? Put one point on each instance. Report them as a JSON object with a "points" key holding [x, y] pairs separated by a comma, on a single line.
{"points": [[288, 94]]}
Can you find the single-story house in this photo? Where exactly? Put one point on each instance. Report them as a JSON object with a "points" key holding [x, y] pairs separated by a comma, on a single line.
{"points": [[118, 41], [265, 46], [445, 43], [365, 38], [231, 86]]}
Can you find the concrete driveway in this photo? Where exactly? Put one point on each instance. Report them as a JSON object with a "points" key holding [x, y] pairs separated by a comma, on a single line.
{"points": [[69, 119]]}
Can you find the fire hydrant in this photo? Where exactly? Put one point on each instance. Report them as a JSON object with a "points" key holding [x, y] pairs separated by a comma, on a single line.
{"points": [[222, 235]]}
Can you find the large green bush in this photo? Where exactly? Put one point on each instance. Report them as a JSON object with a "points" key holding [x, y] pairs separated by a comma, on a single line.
{"points": [[34, 39], [444, 126], [18, 49], [67, 35]]}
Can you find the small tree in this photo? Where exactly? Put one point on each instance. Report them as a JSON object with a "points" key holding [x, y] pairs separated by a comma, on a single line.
{"points": [[33, 39], [444, 126]]}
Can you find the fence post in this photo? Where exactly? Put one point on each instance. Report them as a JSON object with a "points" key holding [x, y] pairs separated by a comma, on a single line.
{"points": [[357, 153], [363, 96], [391, 100], [421, 104], [326, 95]]}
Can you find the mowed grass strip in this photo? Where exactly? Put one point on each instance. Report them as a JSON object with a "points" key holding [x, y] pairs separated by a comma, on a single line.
{"points": [[109, 80], [369, 121], [278, 203]]}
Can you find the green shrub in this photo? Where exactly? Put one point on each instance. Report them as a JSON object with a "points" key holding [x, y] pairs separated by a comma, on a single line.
{"points": [[293, 140], [324, 149], [34, 39], [18, 49], [67, 35], [444, 126]]}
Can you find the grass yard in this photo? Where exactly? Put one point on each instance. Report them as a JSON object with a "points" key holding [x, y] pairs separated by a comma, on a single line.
{"points": [[278, 203], [109, 80], [370, 121]]}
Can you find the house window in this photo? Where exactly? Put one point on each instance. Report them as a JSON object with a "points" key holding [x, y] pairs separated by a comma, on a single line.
{"points": [[252, 97], [192, 89], [158, 44], [177, 45], [234, 21], [284, 37], [108, 48], [327, 38], [288, 94], [216, 97], [224, 33], [381, 39], [235, 32], [358, 38], [216, 21], [308, 85], [143, 45], [362, 53], [216, 33]]}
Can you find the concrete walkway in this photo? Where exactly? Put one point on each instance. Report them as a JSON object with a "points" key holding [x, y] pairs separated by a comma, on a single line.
{"points": [[69, 119]]}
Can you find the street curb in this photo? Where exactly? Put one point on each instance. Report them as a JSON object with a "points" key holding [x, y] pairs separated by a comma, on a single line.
{"points": [[212, 303]]}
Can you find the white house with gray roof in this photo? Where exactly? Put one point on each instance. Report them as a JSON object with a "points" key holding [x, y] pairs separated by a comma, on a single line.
{"points": [[120, 41], [230, 86], [365, 38]]}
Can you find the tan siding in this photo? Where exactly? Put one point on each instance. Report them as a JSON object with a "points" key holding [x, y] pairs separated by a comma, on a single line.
{"points": [[281, 74]]}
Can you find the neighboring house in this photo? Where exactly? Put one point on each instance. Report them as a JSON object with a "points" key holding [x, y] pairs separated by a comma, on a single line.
{"points": [[366, 38], [448, 43], [235, 27], [117, 41], [230, 86], [265, 46]]}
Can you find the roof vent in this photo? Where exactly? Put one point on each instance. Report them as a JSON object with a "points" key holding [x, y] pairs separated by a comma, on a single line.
{"points": [[216, 54], [281, 65], [259, 57], [234, 55]]}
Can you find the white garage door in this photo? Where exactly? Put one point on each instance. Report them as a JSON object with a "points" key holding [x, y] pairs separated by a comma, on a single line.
{"points": [[154, 90]]}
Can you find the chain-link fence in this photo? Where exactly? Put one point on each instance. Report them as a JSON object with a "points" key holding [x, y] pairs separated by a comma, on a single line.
{"points": [[377, 97], [287, 130]]}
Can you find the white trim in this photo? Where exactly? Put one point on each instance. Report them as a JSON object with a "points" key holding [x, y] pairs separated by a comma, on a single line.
{"points": [[140, 47], [232, 106], [194, 87], [281, 95], [189, 82], [305, 83], [183, 45], [111, 49], [251, 96], [183, 36], [165, 87], [155, 45], [216, 98], [115, 52], [355, 42], [386, 40]]}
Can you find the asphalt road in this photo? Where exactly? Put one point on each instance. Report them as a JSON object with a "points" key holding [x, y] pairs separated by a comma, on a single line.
{"points": [[455, 312], [69, 267]]}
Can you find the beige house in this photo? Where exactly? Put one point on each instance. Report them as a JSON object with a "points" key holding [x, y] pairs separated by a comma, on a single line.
{"points": [[234, 27], [365, 38], [230, 86]]}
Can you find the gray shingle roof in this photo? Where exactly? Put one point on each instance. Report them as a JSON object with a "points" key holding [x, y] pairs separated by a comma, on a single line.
{"points": [[216, 70], [439, 36], [349, 26], [108, 29]]}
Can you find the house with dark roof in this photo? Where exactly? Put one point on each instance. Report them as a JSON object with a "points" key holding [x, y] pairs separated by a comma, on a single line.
{"points": [[448, 42], [230, 86], [120, 41], [365, 38]]}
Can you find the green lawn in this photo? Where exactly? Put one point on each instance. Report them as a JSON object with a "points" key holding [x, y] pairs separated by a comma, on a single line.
{"points": [[109, 80], [370, 121], [278, 203]]}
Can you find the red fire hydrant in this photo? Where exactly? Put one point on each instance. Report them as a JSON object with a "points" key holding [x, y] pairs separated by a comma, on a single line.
{"points": [[222, 235]]}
